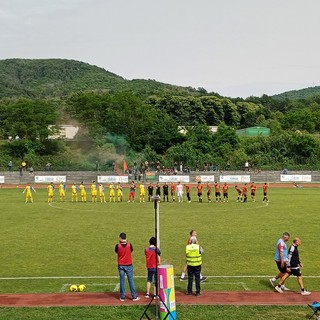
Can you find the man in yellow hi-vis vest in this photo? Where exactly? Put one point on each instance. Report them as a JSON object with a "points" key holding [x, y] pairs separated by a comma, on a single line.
{"points": [[194, 261]]}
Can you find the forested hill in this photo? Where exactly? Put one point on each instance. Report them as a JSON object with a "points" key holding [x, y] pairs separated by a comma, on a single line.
{"points": [[302, 94], [48, 78]]}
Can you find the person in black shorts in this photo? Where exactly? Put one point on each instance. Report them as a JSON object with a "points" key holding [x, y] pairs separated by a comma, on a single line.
{"points": [[165, 189], [150, 191], [294, 267]]}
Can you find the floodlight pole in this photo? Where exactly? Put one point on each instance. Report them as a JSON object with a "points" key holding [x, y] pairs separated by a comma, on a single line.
{"points": [[156, 200]]}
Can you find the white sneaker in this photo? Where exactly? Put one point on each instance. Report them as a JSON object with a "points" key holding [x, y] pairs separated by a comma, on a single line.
{"points": [[279, 289], [284, 288], [136, 299], [305, 293], [273, 283]]}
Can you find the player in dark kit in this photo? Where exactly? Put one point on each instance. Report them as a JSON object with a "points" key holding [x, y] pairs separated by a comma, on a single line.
{"points": [[150, 191], [158, 190], [165, 188]]}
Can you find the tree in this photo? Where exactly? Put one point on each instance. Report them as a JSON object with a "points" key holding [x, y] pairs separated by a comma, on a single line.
{"points": [[28, 119], [304, 120]]}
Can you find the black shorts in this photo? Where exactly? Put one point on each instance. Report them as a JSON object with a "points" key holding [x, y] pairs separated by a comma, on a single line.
{"points": [[151, 274], [281, 269], [217, 194], [296, 272], [199, 194]]}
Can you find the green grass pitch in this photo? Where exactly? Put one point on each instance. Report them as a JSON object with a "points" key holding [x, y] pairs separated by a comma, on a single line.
{"points": [[66, 240], [44, 248]]}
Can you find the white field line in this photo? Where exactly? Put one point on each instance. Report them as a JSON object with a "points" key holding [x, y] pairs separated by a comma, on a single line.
{"points": [[240, 283], [117, 287], [116, 277]]}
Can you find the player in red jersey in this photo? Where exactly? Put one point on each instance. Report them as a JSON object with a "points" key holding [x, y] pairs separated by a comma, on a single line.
{"points": [[208, 192], [225, 190], [239, 192], [253, 189], [265, 192]]}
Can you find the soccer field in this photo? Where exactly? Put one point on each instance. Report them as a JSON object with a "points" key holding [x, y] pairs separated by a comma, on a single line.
{"points": [[44, 248]]}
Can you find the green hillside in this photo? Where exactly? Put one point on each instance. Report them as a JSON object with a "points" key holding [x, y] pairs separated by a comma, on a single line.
{"points": [[302, 94], [47, 78]]}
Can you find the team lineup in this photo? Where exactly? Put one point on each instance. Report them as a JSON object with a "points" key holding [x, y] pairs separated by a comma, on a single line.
{"points": [[167, 193]]}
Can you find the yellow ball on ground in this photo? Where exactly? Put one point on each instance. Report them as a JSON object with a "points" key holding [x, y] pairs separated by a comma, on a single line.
{"points": [[73, 288], [81, 288]]}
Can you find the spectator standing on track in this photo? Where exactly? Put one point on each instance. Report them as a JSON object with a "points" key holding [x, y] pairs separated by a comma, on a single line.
{"points": [[293, 267], [194, 262], [151, 261], [280, 259], [124, 250], [193, 233]]}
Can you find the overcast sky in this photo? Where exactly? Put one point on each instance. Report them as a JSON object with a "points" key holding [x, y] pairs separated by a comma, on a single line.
{"points": [[232, 47]]}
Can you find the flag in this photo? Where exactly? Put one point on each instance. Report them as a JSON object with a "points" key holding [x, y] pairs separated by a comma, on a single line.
{"points": [[125, 166]]}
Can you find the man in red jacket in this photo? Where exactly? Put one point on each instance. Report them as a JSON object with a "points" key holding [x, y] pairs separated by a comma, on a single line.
{"points": [[125, 267]]}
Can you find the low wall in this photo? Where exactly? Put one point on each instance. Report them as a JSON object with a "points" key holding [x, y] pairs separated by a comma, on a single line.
{"points": [[305, 177]]}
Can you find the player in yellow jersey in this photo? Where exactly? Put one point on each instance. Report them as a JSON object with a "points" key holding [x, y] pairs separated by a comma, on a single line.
{"points": [[83, 192], [142, 192], [62, 191], [112, 197], [74, 193], [28, 191], [101, 193], [119, 192], [94, 191], [50, 189]]}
